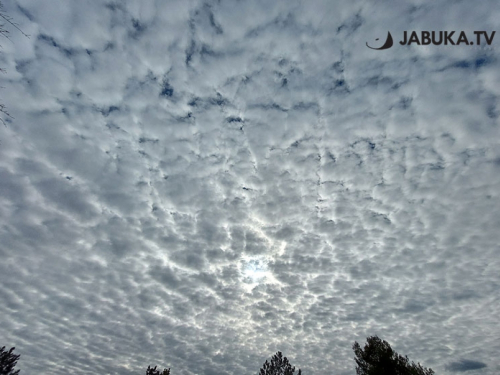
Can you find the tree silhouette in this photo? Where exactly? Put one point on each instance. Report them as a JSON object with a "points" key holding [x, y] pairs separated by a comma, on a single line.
{"points": [[378, 358], [8, 361], [279, 365], [154, 371]]}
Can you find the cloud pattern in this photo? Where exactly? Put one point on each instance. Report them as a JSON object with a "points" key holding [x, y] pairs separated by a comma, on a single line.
{"points": [[201, 184]]}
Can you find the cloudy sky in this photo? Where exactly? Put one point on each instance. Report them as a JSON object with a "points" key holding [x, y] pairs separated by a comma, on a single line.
{"points": [[198, 185]]}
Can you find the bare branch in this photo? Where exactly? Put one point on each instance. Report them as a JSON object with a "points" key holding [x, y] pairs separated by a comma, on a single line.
{"points": [[5, 33], [9, 21]]}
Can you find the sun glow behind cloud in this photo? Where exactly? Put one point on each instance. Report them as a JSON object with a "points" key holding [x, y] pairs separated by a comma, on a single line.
{"points": [[254, 268]]}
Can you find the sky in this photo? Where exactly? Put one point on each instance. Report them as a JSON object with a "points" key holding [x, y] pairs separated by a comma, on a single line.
{"points": [[198, 185]]}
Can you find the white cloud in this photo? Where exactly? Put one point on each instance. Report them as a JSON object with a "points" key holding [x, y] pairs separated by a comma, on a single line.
{"points": [[199, 185]]}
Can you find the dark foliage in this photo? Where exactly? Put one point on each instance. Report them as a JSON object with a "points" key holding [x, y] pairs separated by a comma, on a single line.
{"points": [[279, 365], [378, 358], [8, 361], [154, 371]]}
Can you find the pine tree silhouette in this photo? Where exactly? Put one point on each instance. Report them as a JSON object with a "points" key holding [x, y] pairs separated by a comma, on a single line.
{"points": [[154, 371], [279, 365], [378, 358], [8, 361]]}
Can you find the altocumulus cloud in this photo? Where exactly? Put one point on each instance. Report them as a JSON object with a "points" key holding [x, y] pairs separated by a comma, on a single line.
{"points": [[201, 184]]}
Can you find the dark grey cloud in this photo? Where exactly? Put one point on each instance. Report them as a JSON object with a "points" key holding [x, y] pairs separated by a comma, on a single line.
{"points": [[201, 184], [465, 365]]}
